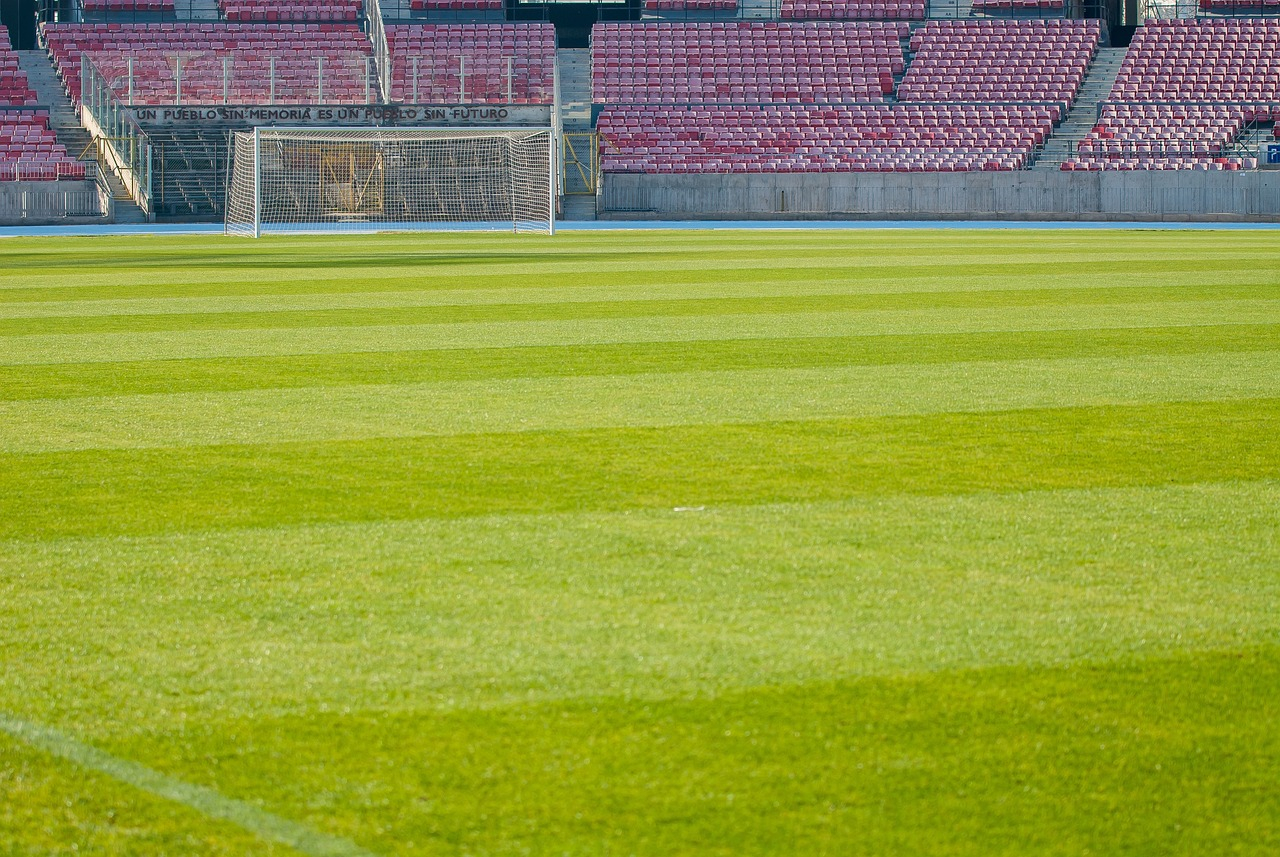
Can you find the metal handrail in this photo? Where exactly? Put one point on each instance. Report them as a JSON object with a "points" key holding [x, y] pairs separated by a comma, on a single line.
{"points": [[127, 149]]}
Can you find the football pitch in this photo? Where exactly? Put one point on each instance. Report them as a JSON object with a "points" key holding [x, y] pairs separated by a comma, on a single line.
{"points": [[738, 543]]}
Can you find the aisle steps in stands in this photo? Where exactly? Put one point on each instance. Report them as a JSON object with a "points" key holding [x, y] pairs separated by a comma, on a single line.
{"points": [[1084, 113], [574, 66], [66, 125]]}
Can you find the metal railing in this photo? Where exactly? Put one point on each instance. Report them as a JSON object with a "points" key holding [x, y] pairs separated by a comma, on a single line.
{"points": [[126, 148], [377, 31], [581, 164], [210, 78]]}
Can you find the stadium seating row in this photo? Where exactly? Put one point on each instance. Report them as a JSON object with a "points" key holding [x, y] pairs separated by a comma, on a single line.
{"points": [[1018, 5], [1032, 61], [476, 63], [828, 138], [216, 62], [29, 150], [291, 10], [103, 6], [836, 10], [455, 5], [1229, 60], [746, 61]]}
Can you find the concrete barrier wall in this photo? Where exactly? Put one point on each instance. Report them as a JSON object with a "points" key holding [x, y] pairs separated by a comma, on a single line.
{"points": [[37, 203], [1029, 195]]}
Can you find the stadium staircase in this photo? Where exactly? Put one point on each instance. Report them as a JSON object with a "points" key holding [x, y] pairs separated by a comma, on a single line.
{"points": [[1095, 87], [65, 123], [574, 67]]}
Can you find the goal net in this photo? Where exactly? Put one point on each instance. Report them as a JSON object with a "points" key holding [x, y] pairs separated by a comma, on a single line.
{"points": [[373, 179]]}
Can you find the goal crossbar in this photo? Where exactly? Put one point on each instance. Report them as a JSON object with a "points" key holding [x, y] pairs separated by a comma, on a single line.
{"points": [[380, 179]]}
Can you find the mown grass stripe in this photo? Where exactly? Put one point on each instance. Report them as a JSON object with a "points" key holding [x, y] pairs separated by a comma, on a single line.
{"points": [[63, 381], [147, 491], [303, 295], [436, 313], [183, 266], [206, 801], [175, 345], [521, 404]]}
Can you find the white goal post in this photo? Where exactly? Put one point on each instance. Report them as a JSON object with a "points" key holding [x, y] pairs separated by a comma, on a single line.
{"points": [[383, 179]]}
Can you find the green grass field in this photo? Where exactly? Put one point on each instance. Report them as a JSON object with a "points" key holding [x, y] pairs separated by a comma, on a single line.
{"points": [[736, 543]]}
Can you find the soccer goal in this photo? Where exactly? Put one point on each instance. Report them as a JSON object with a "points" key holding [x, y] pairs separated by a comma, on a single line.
{"points": [[376, 179]]}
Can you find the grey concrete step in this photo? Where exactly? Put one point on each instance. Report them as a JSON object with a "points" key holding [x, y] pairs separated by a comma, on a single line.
{"points": [[574, 68], [1083, 115], [579, 207]]}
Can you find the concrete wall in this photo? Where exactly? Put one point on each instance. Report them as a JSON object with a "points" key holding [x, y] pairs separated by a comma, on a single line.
{"points": [[1026, 195], [43, 203]]}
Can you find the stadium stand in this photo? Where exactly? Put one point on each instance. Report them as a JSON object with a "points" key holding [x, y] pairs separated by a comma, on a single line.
{"points": [[1033, 61], [15, 91], [812, 62], [29, 150], [1214, 59], [721, 98], [826, 138], [426, 66], [1186, 92], [836, 10], [1162, 136], [274, 11], [219, 63]]}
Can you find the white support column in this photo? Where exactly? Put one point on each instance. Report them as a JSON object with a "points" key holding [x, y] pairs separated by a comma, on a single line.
{"points": [[226, 80], [131, 80], [510, 78], [320, 79], [462, 80], [271, 63], [257, 181], [415, 80]]}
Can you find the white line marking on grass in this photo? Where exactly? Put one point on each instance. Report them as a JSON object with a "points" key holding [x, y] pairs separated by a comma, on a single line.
{"points": [[203, 800]]}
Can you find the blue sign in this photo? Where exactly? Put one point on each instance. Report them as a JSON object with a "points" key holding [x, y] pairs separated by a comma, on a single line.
{"points": [[1273, 153]]}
